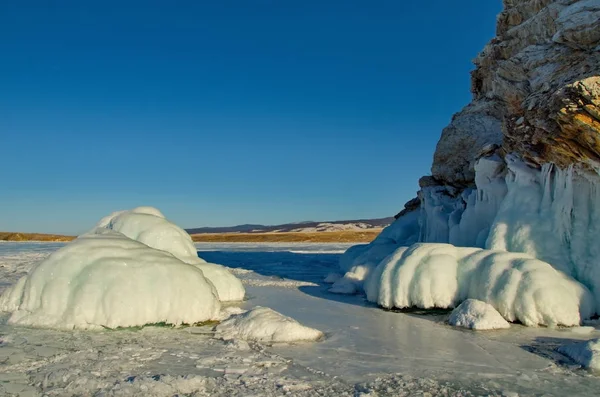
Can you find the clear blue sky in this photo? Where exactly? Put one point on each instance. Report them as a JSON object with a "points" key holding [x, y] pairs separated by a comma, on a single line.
{"points": [[226, 112]]}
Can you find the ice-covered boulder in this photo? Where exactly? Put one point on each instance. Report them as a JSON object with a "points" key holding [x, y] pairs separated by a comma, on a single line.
{"points": [[477, 315], [265, 325], [134, 268], [586, 353], [108, 280], [519, 286], [149, 226]]}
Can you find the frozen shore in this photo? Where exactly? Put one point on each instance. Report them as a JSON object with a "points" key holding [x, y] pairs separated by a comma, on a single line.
{"points": [[366, 350]]}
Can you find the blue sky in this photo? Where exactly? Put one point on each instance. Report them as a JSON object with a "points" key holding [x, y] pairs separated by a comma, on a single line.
{"points": [[226, 112]]}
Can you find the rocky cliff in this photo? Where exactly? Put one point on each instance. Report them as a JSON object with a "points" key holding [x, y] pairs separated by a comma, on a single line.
{"points": [[518, 168], [536, 92]]}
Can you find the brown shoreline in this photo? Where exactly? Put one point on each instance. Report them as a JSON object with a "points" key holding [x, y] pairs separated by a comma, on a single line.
{"points": [[16, 236], [346, 236]]}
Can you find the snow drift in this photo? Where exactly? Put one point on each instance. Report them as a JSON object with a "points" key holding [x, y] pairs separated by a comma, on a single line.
{"points": [[134, 268], [519, 286], [477, 315], [265, 325]]}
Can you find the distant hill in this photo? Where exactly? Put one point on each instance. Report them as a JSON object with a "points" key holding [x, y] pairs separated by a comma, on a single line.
{"points": [[298, 227]]}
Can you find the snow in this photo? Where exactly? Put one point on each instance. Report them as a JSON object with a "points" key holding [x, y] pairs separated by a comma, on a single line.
{"points": [[477, 315], [587, 354], [265, 325], [367, 351], [109, 280], [520, 287], [334, 227]]}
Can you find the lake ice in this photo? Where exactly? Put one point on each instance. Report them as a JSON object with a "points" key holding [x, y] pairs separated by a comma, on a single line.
{"points": [[366, 350]]}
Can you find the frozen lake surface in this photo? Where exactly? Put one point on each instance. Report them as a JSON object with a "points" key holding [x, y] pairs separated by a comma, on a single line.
{"points": [[368, 351]]}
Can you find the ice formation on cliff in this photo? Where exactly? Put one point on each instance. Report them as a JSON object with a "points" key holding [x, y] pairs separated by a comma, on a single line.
{"points": [[520, 287], [551, 214]]}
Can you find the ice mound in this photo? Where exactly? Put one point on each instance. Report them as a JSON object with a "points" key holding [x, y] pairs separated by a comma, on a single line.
{"points": [[519, 286], [265, 325], [134, 268], [587, 354], [332, 278], [149, 226], [357, 263], [108, 280], [477, 315]]}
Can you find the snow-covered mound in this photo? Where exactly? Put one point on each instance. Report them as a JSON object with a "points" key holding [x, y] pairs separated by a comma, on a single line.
{"points": [[134, 268], [334, 227], [519, 286], [587, 354], [149, 226], [108, 280], [265, 325], [477, 315]]}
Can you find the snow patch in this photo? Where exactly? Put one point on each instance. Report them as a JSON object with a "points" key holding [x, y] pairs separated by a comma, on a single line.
{"points": [[265, 325], [477, 315]]}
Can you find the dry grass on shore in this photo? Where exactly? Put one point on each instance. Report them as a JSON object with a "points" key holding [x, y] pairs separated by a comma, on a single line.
{"points": [[346, 236], [12, 236]]}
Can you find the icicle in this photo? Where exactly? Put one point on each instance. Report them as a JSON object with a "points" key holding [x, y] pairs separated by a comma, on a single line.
{"points": [[546, 179], [562, 203]]}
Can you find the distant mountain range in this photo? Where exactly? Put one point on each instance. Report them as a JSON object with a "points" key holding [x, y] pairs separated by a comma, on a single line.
{"points": [[309, 226]]}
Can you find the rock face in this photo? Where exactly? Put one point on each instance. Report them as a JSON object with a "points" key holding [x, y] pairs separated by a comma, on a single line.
{"points": [[536, 91]]}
